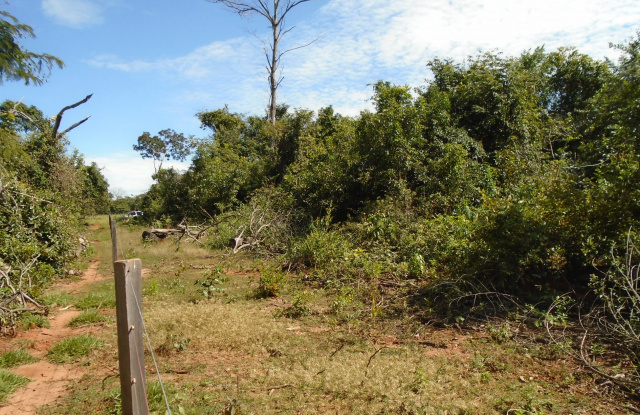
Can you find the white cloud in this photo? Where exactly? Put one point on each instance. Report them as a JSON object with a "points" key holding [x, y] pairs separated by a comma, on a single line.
{"points": [[204, 62], [110, 61], [75, 13], [369, 40], [229, 71], [128, 172]]}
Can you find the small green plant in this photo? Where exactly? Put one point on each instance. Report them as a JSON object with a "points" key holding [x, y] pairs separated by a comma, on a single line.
{"points": [[30, 321], [376, 307], [212, 282], [419, 381], [181, 269], [87, 318], [174, 343], [271, 283], [9, 382], [73, 348], [175, 284], [345, 298], [15, 358], [486, 377], [500, 334], [151, 288], [558, 313], [417, 266], [299, 306], [231, 408]]}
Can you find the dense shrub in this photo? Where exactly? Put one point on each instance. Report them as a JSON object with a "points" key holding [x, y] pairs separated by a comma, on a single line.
{"points": [[36, 241]]}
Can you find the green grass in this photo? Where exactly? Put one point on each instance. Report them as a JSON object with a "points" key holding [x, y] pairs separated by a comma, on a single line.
{"points": [[73, 348], [9, 382], [29, 321], [60, 299], [87, 318], [15, 358], [95, 300]]}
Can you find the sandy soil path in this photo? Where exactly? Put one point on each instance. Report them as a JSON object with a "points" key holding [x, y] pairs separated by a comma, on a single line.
{"points": [[48, 381]]}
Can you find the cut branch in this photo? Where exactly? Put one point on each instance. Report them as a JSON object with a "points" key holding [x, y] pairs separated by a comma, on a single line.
{"points": [[75, 125], [56, 125]]}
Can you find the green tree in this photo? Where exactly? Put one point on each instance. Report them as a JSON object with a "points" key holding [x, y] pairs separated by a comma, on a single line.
{"points": [[231, 165], [95, 190], [17, 63], [166, 145]]}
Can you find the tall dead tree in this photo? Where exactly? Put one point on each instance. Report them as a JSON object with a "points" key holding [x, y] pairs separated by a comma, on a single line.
{"points": [[275, 12]]}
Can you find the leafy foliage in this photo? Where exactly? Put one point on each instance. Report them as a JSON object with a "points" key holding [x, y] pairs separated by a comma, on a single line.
{"points": [[271, 283], [17, 63], [501, 183], [166, 145]]}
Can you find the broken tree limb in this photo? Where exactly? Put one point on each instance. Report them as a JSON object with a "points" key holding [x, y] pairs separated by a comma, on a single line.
{"points": [[56, 125], [75, 125], [161, 234]]}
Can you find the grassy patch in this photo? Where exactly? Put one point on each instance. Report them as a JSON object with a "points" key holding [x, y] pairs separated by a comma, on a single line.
{"points": [[57, 299], [30, 321], [15, 358], [87, 318], [73, 348], [9, 382], [96, 300], [349, 350]]}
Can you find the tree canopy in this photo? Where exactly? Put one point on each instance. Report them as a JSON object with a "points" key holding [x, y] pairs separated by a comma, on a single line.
{"points": [[17, 63], [167, 145]]}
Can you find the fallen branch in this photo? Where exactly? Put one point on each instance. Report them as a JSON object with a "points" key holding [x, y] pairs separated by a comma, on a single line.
{"points": [[371, 358]]}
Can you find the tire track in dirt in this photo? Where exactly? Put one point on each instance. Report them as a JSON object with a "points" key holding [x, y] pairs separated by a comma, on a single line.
{"points": [[48, 381]]}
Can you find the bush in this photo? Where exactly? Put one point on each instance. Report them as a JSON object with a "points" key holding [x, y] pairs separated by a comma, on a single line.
{"points": [[321, 248], [271, 283], [619, 315], [36, 235]]}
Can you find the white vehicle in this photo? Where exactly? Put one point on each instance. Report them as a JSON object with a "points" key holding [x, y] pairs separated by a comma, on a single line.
{"points": [[133, 214]]}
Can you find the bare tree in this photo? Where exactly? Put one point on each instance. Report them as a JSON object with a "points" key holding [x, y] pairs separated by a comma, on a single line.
{"points": [[275, 12]]}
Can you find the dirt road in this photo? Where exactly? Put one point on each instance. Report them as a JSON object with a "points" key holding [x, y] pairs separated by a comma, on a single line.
{"points": [[48, 381]]}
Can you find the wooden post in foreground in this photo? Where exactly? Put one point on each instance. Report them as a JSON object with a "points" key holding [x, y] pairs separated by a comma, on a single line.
{"points": [[128, 276], [114, 239]]}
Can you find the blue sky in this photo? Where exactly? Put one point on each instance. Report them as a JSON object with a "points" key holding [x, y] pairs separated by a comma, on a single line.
{"points": [[153, 64]]}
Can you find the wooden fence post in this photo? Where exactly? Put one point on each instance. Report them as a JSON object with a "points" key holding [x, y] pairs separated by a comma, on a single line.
{"points": [[128, 281], [114, 239]]}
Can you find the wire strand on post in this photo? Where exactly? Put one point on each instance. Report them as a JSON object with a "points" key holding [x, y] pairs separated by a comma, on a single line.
{"points": [[153, 356], [146, 334], [141, 372]]}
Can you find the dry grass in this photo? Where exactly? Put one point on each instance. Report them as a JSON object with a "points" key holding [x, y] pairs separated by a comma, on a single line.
{"points": [[278, 365], [235, 351]]}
